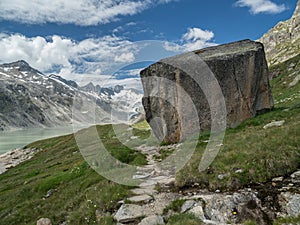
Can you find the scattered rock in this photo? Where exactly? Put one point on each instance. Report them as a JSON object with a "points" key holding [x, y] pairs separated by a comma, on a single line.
{"points": [[198, 212], [152, 220], [49, 193], [187, 205], [274, 124], [239, 171], [222, 176], [295, 81], [15, 157], [128, 213], [277, 179], [44, 221], [296, 177], [290, 203]]}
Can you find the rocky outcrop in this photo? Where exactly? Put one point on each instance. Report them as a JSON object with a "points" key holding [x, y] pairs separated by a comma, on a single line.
{"points": [[241, 70], [282, 42], [15, 157]]}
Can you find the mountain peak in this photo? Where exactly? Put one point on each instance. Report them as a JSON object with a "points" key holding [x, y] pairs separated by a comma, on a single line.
{"points": [[21, 65]]}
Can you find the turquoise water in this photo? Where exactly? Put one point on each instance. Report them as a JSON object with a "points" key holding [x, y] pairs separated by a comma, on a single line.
{"points": [[17, 139]]}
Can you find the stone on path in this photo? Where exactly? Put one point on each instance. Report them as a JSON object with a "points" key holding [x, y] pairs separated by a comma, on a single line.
{"points": [[142, 191], [152, 220], [128, 213], [140, 198]]}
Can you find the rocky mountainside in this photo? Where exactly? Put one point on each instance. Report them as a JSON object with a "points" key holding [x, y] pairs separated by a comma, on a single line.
{"points": [[282, 42], [241, 70], [29, 98]]}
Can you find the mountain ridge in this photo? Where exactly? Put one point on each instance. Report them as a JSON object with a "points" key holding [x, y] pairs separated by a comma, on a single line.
{"points": [[32, 99], [282, 42]]}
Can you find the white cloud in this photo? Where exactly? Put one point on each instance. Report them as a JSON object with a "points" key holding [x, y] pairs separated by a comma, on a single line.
{"points": [[125, 57], [195, 34], [66, 56], [261, 6], [92, 59], [79, 12], [38, 51], [193, 39]]}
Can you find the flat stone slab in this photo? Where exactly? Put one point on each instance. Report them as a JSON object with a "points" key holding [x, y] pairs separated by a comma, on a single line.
{"points": [[142, 191], [140, 198], [167, 181], [128, 213], [152, 220], [160, 178], [147, 183], [142, 176]]}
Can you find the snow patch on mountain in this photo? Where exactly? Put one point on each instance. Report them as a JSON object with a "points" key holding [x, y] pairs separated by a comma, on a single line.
{"points": [[31, 99]]}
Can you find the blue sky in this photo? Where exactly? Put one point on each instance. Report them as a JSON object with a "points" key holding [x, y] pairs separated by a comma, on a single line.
{"points": [[91, 39]]}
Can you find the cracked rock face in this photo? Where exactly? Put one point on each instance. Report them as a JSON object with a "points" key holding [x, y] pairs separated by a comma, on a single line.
{"points": [[241, 71]]}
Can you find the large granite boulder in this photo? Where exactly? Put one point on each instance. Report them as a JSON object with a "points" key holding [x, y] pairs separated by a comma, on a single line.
{"points": [[241, 73]]}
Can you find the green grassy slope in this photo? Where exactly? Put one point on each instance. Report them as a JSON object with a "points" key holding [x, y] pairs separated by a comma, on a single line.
{"points": [[76, 192]]}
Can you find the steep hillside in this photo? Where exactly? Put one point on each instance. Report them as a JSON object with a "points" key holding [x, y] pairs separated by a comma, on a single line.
{"points": [[59, 184], [29, 98], [282, 42]]}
